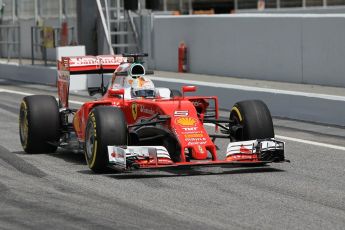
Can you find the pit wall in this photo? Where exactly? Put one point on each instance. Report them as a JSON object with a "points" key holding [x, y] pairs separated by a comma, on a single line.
{"points": [[293, 48], [28, 73]]}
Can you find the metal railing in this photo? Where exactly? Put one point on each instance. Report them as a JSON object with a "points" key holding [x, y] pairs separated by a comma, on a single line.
{"points": [[120, 30], [252, 4], [38, 45], [10, 42], [105, 24]]}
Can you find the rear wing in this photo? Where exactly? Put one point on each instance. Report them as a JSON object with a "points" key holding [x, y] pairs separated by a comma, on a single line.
{"points": [[91, 64], [83, 65]]}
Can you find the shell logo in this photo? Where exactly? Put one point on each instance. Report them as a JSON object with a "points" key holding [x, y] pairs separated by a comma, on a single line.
{"points": [[186, 121]]}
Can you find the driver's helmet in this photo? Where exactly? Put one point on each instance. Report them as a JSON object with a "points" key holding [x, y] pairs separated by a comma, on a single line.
{"points": [[142, 87]]}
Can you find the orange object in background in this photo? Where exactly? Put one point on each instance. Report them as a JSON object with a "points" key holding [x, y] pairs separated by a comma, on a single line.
{"points": [[261, 4], [175, 13], [207, 12], [182, 58]]}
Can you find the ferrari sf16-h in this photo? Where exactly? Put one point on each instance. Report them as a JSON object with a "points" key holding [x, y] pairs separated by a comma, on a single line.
{"points": [[135, 125]]}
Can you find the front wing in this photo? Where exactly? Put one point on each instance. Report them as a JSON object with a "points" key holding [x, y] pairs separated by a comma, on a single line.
{"points": [[245, 153]]}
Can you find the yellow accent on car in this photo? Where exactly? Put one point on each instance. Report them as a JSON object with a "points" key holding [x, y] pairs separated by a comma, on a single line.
{"points": [[24, 123], [238, 112], [94, 154]]}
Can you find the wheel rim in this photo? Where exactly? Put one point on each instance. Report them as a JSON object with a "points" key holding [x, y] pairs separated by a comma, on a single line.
{"points": [[23, 125], [234, 117], [90, 140]]}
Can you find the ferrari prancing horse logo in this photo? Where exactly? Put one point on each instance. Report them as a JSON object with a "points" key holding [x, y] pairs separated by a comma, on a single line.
{"points": [[134, 111]]}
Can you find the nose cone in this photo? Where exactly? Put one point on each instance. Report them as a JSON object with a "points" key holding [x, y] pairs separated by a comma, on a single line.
{"points": [[199, 152]]}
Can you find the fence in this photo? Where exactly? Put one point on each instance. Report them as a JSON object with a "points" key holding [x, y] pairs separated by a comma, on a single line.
{"points": [[38, 9], [10, 42], [40, 44]]}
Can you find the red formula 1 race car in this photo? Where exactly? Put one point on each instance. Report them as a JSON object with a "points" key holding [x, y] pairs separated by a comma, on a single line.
{"points": [[135, 125]]}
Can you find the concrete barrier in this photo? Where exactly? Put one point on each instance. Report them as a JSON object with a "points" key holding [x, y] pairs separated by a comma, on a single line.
{"points": [[309, 107], [287, 47], [47, 76], [29, 73]]}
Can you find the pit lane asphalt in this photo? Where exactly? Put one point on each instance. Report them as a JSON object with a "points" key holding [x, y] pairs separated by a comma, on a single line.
{"points": [[58, 191]]}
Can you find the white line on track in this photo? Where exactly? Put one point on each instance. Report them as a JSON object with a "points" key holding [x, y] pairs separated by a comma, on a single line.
{"points": [[336, 147], [319, 144], [76, 102], [15, 92]]}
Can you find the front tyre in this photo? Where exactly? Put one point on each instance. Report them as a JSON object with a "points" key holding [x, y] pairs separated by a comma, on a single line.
{"points": [[105, 126], [255, 119], [39, 124]]}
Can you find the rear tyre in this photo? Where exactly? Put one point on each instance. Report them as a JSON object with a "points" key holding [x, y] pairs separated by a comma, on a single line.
{"points": [[255, 119], [39, 124], [105, 126]]}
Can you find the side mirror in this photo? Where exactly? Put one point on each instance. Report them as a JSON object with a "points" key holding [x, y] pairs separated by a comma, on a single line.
{"points": [[94, 90], [116, 92], [188, 88]]}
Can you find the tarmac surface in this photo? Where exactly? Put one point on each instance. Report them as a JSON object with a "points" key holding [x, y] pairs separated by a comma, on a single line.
{"points": [[58, 191]]}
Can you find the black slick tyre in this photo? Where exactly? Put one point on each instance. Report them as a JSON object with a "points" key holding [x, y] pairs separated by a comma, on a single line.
{"points": [[105, 126], [255, 118], [39, 124]]}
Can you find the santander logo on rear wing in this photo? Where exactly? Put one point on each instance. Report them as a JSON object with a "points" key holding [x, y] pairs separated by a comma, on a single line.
{"points": [[91, 64]]}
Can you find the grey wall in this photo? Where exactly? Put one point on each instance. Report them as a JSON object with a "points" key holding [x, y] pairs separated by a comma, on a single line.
{"points": [[290, 48], [145, 30], [28, 73], [45, 75], [312, 109]]}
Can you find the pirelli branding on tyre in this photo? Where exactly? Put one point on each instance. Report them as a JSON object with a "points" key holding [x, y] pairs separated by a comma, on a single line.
{"points": [[237, 111], [90, 141], [23, 124]]}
